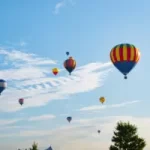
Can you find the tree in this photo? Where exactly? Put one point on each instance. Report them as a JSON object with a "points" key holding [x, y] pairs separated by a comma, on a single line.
{"points": [[126, 138], [34, 146]]}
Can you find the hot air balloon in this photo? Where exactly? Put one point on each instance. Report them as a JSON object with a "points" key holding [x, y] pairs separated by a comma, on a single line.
{"points": [[98, 131], [3, 85], [124, 57], [50, 148], [67, 53], [102, 99], [70, 64], [55, 71], [21, 101], [69, 119]]}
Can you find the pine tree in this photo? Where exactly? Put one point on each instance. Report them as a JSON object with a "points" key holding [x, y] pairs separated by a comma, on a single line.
{"points": [[34, 146], [126, 138]]}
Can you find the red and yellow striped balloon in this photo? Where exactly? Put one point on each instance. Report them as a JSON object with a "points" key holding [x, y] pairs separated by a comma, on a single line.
{"points": [[124, 57]]}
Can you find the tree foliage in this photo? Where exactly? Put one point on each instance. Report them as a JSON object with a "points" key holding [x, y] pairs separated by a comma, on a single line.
{"points": [[125, 138], [34, 146]]}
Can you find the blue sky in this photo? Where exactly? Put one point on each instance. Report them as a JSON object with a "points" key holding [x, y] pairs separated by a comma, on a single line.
{"points": [[34, 38]]}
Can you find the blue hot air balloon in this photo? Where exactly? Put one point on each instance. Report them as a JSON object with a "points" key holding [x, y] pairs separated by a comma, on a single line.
{"points": [[50, 148], [69, 119], [67, 53], [3, 85]]}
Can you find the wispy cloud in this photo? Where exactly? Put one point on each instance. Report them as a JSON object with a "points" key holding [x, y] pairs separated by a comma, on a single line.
{"points": [[99, 107], [58, 6], [8, 121], [20, 59], [21, 43], [42, 117], [29, 76], [62, 4]]}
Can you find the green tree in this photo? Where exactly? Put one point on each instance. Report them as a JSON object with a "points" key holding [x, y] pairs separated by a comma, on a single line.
{"points": [[34, 146], [125, 138]]}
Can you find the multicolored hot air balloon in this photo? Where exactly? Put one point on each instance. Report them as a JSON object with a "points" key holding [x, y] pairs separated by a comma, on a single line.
{"points": [[3, 85], [55, 71], [102, 99], [67, 53], [21, 101], [70, 64], [124, 57], [69, 119]]}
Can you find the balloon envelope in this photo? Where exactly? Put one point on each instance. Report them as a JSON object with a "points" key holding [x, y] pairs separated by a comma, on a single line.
{"points": [[102, 99], [124, 57], [50, 148], [55, 71], [69, 119], [67, 53], [98, 131], [70, 64], [3, 85], [21, 101]]}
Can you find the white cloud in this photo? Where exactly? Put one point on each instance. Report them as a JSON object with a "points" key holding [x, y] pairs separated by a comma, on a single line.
{"points": [[9, 127], [64, 114], [62, 4], [19, 58], [8, 121], [20, 43], [58, 6], [29, 77], [82, 135], [99, 107], [41, 118]]}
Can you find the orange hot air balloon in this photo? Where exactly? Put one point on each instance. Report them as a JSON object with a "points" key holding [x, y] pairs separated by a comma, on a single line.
{"points": [[55, 71], [70, 64]]}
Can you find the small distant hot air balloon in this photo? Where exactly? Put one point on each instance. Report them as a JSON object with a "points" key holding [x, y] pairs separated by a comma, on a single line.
{"points": [[70, 64], [102, 99], [67, 53], [3, 85], [69, 119], [21, 101], [98, 131], [124, 57], [55, 71]]}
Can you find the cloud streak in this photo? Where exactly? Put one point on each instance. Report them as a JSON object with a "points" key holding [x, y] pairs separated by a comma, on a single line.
{"points": [[62, 4], [99, 107], [41, 118], [8, 121]]}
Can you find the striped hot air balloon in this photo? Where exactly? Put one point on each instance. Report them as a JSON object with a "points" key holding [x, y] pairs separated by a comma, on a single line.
{"points": [[124, 57], [70, 64]]}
